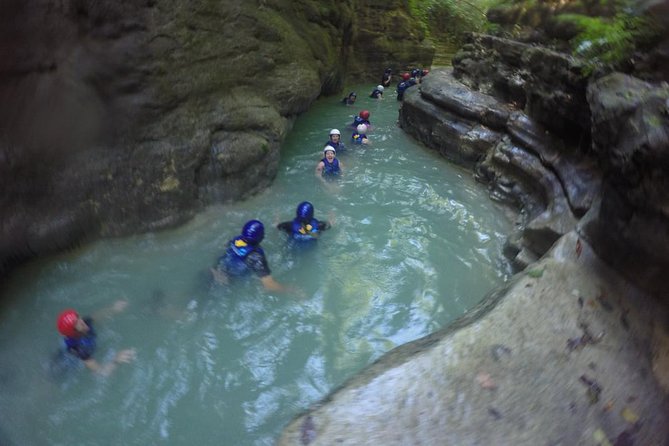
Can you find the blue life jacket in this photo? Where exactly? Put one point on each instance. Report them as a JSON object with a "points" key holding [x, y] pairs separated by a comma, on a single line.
{"points": [[331, 169], [233, 261], [84, 346], [358, 120], [358, 137], [305, 232], [401, 87], [339, 147]]}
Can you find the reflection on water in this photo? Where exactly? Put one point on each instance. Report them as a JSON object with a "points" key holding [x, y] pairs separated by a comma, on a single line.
{"points": [[414, 243]]}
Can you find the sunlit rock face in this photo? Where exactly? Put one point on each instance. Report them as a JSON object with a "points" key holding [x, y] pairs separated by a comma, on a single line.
{"points": [[120, 117]]}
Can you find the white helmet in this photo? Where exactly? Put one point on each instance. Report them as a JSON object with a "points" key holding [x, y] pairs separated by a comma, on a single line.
{"points": [[362, 128], [327, 148], [380, 88], [335, 132]]}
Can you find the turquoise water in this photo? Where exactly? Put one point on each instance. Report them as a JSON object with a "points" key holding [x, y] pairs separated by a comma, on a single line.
{"points": [[415, 243]]}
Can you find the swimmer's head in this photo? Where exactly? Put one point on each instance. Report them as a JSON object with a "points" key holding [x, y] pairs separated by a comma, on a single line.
{"points": [[380, 88], [406, 76], [253, 232], [67, 323], [364, 114], [305, 211]]}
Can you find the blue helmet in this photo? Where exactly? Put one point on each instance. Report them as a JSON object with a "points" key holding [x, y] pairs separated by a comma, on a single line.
{"points": [[253, 232], [305, 211]]}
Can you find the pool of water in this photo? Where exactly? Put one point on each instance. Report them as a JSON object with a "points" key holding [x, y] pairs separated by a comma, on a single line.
{"points": [[415, 242]]}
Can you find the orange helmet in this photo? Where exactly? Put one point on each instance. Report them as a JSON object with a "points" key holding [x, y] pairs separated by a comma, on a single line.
{"points": [[67, 321]]}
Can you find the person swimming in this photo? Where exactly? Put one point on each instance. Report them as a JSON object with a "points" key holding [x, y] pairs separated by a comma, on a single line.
{"points": [[335, 141], [244, 256], [377, 93], [304, 227], [406, 82], [359, 136], [386, 78], [80, 338], [362, 118], [350, 99], [329, 165]]}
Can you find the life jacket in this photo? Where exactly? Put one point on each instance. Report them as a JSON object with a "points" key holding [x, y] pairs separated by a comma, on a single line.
{"points": [[358, 120], [358, 137], [305, 232], [401, 87], [233, 261], [330, 169], [84, 346], [376, 93], [339, 147]]}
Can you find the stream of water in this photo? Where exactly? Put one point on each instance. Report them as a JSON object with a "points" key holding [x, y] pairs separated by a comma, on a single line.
{"points": [[414, 243]]}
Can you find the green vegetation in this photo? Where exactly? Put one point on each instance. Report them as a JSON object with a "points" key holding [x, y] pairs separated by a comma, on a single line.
{"points": [[450, 20], [609, 41], [604, 33]]}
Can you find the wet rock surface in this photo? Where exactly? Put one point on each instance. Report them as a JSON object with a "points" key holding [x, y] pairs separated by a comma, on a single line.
{"points": [[564, 355], [525, 165]]}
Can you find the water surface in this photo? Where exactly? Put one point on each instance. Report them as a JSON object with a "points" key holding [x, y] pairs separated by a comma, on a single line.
{"points": [[415, 243]]}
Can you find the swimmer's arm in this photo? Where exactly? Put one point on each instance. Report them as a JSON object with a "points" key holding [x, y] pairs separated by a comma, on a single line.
{"points": [[219, 276], [110, 311], [319, 168], [124, 356], [272, 285]]}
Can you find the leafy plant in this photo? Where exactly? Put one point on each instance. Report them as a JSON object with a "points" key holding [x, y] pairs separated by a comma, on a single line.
{"points": [[609, 41], [450, 19]]}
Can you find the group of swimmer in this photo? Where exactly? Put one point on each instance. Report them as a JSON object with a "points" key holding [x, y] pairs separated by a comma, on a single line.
{"points": [[244, 254], [329, 165], [408, 79]]}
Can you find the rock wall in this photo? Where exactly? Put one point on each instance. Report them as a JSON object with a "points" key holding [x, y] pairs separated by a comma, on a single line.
{"points": [[132, 116], [567, 151], [525, 165]]}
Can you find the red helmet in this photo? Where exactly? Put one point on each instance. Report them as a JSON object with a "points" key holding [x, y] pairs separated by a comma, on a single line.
{"points": [[67, 320], [426, 72], [406, 76], [364, 114]]}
